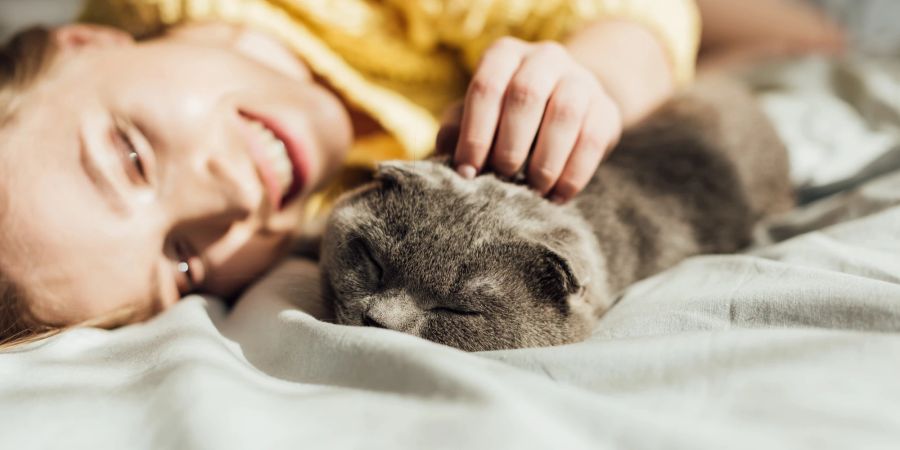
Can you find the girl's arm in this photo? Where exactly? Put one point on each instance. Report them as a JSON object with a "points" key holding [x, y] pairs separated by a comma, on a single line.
{"points": [[741, 31], [630, 63]]}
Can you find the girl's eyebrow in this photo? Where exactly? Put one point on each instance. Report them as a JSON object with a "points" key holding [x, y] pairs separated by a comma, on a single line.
{"points": [[100, 179]]}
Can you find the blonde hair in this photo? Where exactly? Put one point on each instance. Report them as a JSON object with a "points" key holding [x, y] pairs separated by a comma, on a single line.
{"points": [[22, 62]]}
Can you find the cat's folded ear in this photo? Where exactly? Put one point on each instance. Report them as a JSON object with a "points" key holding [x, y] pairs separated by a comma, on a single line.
{"points": [[395, 172], [398, 172], [553, 276]]}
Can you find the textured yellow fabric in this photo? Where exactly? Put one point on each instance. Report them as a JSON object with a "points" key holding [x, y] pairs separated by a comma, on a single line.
{"points": [[404, 61]]}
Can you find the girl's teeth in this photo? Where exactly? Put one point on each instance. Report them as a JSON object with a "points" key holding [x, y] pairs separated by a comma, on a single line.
{"points": [[276, 153]]}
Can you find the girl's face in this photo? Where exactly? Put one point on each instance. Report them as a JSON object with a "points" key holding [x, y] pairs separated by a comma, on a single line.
{"points": [[136, 173]]}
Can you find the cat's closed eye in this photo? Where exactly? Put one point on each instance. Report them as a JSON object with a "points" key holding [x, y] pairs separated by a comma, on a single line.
{"points": [[455, 311], [369, 266]]}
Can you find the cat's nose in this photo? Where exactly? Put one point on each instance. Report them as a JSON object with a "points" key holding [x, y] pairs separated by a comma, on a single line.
{"points": [[395, 312]]}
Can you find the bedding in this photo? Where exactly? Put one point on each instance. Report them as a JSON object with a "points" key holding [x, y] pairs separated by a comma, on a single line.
{"points": [[839, 118], [17, 14], [792, 344]]}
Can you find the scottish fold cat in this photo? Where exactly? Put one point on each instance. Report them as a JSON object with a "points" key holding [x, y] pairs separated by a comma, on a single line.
{"points": [[487, 264]]}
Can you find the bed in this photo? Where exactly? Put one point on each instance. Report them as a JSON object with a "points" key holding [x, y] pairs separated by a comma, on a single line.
{"points": [[792, 344]]}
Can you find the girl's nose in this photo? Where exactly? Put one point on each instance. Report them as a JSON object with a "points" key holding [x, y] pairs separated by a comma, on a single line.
{"points": [[212, 190]]}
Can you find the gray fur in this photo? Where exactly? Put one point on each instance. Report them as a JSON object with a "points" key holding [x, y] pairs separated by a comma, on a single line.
{"points": [[486, 264]]}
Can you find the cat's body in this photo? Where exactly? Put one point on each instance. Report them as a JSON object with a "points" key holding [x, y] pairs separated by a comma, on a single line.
{"points": [[486, 264]]}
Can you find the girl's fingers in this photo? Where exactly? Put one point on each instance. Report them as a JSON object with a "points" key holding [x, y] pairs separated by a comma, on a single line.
{"points": [[524, 104], [532, 95], [561, 124], [483, 104], [598, 135]]}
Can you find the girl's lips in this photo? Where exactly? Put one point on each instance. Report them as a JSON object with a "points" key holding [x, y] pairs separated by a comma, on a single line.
{"points": [[296, 152]]}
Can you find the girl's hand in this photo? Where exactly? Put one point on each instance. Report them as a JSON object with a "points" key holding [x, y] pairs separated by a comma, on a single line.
{"points": [[533, 99]]}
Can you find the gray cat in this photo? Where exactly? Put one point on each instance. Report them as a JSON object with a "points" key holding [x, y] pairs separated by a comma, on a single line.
{"points": [[486, 264]]}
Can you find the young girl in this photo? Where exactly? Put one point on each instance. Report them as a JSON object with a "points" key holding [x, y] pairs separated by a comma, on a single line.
{"points": [[135, 172]]}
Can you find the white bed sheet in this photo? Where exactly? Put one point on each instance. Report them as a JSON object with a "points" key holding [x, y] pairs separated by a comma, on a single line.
{"points": [[793, 345]]}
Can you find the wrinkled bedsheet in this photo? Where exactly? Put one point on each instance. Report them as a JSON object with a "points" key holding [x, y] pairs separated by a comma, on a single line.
{"points": [[791, 345]]}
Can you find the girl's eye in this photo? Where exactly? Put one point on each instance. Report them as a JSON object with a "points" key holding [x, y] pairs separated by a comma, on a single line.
{"points": [[134, 164]]}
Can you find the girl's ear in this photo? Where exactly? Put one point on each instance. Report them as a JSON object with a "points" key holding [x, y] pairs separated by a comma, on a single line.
{"points": [[76, 37]]}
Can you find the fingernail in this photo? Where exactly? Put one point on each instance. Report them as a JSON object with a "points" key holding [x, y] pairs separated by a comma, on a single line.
{"points": [[466, 171], [558, 199]]}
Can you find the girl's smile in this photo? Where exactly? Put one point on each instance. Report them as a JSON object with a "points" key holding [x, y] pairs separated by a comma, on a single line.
{"points": [[146, 171]]}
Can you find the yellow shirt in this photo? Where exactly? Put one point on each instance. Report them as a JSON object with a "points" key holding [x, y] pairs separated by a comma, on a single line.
{"points": [[403, 61]]}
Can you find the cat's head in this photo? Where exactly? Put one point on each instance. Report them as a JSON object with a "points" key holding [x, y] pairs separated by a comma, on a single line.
{"points": [[476, 264]]}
